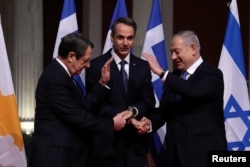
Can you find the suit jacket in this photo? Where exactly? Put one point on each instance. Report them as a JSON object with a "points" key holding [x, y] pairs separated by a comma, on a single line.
{"points": [[140, 94], [193, 110], [63, 123]]}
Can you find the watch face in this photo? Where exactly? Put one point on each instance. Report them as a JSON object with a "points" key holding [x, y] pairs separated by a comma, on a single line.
{"points": [[130, 108]]}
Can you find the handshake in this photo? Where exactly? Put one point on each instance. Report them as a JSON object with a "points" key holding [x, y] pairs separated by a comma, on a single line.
{"points": [[120, 120]]}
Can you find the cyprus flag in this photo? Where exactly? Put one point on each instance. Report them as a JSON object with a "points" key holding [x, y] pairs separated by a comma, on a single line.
{"points": [[12, 153]]}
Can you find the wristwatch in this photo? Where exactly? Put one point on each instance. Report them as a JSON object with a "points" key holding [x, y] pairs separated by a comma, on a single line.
{"points": [[134, 111], [163, 73]]}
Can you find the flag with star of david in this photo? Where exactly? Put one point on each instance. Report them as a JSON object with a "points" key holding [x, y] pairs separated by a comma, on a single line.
{"points": [[236, 97]]}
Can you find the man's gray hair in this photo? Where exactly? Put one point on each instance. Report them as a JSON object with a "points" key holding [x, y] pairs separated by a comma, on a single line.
{"points": [[189, 37]]}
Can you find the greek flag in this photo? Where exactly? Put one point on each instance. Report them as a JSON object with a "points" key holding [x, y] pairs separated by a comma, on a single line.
{"points": [[154, 44], [236, 98], [68, 24], [120, 11]]}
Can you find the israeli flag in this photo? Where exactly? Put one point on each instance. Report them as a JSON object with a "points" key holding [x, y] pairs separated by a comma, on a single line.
{"points": [[154, 44], [68, 24], [236, 98], [120, 11]]}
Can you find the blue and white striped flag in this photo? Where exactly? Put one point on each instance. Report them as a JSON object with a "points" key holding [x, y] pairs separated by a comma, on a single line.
{"points": [[154, 44], [68, 24], [120, 11], [236, 98]]}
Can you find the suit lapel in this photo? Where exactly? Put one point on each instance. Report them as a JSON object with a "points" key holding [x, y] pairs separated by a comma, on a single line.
{"points": [[132, 74], [197, 71]]}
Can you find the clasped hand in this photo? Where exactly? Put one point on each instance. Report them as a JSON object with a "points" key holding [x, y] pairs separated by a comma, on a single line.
{"points": [[121, 119], [143, 125]]}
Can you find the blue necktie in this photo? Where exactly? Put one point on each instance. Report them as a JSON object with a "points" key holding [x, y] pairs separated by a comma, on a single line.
{"points": [[124, 74], [79, 84], [184, 75]]}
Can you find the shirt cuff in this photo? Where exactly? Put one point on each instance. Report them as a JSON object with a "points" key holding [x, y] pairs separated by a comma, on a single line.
{"points": [[165, 76], [106, 86]]}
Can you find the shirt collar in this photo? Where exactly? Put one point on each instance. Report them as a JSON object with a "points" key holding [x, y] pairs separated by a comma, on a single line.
{"points": [[118, 59], [63, 65], [194, 66]]}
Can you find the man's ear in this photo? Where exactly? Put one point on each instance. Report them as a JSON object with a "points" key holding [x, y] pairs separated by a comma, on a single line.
{"points": [[194, 48], [71, 56]]}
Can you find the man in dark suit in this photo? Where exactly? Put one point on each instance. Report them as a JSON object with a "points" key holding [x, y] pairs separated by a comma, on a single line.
{"points": [[63, 123], [125, 148], [192, 106]]}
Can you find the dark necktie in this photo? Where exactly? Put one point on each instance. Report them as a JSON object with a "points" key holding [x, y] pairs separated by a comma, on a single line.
{"points": [[124, 74]]}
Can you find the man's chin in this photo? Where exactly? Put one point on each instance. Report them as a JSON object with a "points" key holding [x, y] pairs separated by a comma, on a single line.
{"points": [[178, 66], [78, 73], [124, 51]]}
